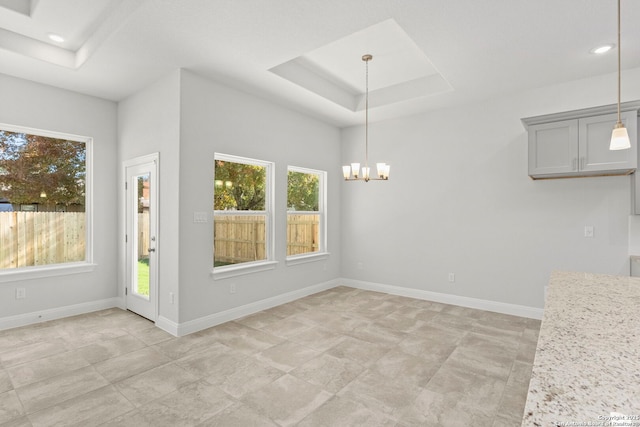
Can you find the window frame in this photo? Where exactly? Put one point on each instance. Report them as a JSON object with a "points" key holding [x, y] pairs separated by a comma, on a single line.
{"points": [[322, 252], [269, 262], [65, 268]]}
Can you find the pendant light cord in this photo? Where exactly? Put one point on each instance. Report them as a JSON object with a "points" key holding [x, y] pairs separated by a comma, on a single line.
{"points": [[619, 69]]}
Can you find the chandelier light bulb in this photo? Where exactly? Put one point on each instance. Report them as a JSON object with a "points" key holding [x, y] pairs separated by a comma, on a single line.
{"points": [[355, 168]]}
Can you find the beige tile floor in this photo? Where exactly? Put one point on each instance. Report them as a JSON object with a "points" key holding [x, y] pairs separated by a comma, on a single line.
{"points": [[344, 357]]}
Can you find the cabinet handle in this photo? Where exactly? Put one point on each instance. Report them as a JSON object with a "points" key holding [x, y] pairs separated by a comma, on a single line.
{"points": [[574, 164]]}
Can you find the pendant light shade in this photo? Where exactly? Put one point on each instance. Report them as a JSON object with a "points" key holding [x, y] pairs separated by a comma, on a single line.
{"points": [[619, 137], [352, 173]]}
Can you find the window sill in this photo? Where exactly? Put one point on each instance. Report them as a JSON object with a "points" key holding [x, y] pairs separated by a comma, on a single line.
{"points": [[303, 259], [242, 269], [42, 272]]}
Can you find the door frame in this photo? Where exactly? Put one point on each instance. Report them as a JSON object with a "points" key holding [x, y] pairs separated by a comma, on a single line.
{"points": [[153, 158]]}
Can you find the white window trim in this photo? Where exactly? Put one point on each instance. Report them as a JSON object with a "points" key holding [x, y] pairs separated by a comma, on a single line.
{"points": [[305, 258], [322, 252], [235, 270], [44, 271], [269, 263], [49, 270]]}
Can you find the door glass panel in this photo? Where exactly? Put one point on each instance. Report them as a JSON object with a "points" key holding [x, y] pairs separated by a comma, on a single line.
{"points": [[141, 266]]}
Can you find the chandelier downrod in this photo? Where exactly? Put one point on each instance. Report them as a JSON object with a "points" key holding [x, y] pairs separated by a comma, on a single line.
{"points": [[366, 59], [352, 173]]}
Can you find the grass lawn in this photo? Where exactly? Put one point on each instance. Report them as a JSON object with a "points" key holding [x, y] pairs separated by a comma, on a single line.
{"points": [[221, 263], [143, 276]]}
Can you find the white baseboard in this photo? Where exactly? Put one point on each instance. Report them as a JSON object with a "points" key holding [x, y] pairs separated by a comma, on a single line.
{"points": [[58, 313], [180, 329], [168, 325], [481, 304], [201, 323]]}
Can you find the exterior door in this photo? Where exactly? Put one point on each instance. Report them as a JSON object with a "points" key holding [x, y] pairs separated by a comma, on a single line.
{"points": [[141, 190]]}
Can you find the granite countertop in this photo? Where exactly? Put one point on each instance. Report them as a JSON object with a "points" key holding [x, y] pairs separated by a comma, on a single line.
{"points": [[587, 363]]}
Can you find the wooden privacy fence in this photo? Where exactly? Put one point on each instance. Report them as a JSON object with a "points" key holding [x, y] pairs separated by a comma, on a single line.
{"points": [[238, 238], [302, 233], [143, 235], [41, 238], [241, 238]]}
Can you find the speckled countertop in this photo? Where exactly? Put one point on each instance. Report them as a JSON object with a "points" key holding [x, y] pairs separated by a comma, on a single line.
{"points": [[587, 362]]}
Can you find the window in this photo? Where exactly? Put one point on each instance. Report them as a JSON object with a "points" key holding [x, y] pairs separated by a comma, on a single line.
{"points": [[306, 231], [242, 217], [44, 182]]}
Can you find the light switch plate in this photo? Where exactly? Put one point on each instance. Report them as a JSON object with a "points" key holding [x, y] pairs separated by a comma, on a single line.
{"points": [[588, 231], [200, 217]]}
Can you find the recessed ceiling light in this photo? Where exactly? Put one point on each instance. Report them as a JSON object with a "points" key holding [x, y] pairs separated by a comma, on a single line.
{"points": [[56, 38], [602, 49]]}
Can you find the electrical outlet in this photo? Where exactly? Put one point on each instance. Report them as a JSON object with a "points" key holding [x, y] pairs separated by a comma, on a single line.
{"points": [[452, 277], [21, 293], [360, 266], [171, 298], [232, 288]]}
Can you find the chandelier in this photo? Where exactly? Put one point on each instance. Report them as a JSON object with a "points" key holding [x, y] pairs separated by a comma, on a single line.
{"points": [[352, 173]]}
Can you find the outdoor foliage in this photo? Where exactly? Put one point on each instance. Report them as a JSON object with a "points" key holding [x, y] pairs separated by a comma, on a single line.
{"points": [[302, 191], [239, 186], [31, 165], [242, 187]]}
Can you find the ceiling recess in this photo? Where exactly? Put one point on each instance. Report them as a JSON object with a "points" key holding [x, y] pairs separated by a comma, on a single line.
{"points": [[403, 71]]}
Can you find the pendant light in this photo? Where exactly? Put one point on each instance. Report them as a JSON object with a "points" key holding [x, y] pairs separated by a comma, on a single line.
{"points": [[352, 173], [619, 136]]}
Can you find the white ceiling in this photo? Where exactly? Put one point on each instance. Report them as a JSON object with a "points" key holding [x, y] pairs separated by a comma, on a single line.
{"points": [[474, 49]]}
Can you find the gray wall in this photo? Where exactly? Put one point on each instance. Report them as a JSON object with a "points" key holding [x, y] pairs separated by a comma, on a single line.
{"points": [[38, 106], [459, 200], [149, 122], [216, 118]]}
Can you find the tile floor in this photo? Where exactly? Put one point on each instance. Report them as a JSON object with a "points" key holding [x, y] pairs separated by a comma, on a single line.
{"points": [[343, 357]]}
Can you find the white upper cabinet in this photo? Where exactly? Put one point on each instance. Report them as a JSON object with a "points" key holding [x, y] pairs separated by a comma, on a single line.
{"points": [[576, 143]]}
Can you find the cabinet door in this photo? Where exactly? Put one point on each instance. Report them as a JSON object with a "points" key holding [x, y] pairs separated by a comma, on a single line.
{"points": [[553, 148], [595, 136]]}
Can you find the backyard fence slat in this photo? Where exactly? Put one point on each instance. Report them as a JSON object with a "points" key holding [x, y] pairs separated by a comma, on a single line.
{"points": [[60, 233], [29, 234]]}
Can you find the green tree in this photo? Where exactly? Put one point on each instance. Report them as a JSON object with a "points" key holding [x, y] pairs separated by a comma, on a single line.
{"points": [[32, 166], [302, 191], [141, 181], [239, 186]]}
